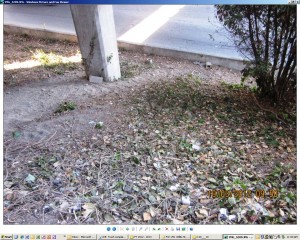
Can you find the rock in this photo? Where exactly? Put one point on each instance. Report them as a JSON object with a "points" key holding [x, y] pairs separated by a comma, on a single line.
{"points": [[127, 189], [185, 200], [149, 61], [200, 216], [197, 63], [95, 79], [64, 206], [9, 197], [152, 199], [283, 219], [108, 217], [196, 147], [157, 166], [230, 154], [76, 208], [232, 218], [147, 216], [258, 207], [174, 188], [204, 212], [47, 209], [177, 222], [8, 184], [57, 182], [223, 214], [184, 208], [208, 64], [281, 212], [214, 148]]}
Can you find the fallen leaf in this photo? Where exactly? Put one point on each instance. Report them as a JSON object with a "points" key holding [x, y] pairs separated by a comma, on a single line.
{"points": [[89, 209], [147, 216]]}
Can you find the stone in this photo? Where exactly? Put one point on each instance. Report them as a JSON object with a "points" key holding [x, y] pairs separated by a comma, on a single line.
{"points": [[95, 79], [223, 214], [197, 63], [208, 65], [185, 200], [149, 61]]}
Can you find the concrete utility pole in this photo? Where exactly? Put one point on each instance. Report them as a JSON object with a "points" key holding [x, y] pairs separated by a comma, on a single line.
{"points": [[95, 29]]}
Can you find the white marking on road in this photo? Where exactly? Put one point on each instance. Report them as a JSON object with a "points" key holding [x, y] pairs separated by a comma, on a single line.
{"points": [[151, 24]]}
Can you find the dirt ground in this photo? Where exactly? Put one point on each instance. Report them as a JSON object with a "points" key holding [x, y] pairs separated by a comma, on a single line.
{"points": [[63, 168]]}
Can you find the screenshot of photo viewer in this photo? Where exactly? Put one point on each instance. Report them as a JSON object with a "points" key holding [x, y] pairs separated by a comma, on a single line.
{"points": [[181, 115]]}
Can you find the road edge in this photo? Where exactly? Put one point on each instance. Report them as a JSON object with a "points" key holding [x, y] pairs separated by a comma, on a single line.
{"points": [[231, 63]]}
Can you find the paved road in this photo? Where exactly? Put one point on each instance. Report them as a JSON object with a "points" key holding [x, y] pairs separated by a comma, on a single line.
{"points": [[186, 28]]}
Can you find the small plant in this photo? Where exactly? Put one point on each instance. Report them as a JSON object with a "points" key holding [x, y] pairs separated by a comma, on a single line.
{"points": [[99, 125], [118, 156], [129, 70], [185, 145], [233, 86], [109, 58], [66, 106], [201, 121], [16, 134], [48, 60], [51, 61], [120, 184]]}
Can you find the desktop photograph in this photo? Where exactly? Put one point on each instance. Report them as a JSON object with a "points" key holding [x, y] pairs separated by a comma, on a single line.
{"points": [[149, 114]]}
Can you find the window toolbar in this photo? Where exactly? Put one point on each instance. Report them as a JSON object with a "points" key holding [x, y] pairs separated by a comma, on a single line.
{"points": [[150, 236]]}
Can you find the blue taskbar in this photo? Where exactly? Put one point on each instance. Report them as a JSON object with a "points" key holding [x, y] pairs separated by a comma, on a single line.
{"points": [[185, 2]]}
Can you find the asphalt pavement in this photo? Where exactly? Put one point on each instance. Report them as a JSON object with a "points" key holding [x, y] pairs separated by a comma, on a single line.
{"points": [[190, 28]]}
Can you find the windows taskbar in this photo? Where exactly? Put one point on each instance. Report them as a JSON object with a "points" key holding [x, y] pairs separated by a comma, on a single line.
{"points": [[152, 235]]}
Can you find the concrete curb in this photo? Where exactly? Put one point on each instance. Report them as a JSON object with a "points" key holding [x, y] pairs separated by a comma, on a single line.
{"points": [[234, 64]]}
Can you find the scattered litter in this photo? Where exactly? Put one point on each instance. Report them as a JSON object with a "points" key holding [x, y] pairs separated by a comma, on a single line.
{"points": [[185, 200]]}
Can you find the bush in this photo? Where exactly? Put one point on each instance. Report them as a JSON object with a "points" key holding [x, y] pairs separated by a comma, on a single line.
{"points": [[267, 36]]}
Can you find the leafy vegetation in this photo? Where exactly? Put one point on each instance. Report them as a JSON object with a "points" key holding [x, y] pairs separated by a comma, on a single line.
{"points": [[267, 35], [66, 106]]}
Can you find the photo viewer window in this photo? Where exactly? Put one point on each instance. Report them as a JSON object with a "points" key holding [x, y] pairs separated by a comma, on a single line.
{"points": [[149, 121]]}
